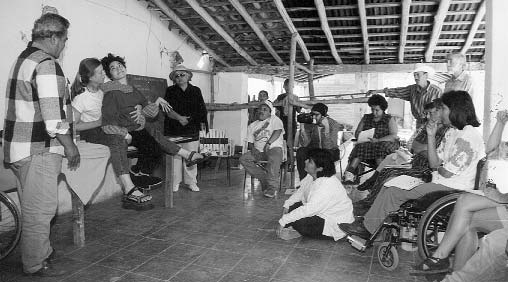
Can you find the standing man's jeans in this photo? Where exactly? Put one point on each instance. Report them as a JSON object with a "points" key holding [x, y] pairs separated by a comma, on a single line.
{"points": [[269, 176], [37, 176], [490, 260], [390, 199], [189, 173]]}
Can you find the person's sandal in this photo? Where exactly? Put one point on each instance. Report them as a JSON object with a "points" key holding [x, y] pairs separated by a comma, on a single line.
{"points": [[431, 265], [139, 203], [190, 162]]}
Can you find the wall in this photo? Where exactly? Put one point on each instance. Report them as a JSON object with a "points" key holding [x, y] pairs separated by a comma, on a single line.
{"points": [[123, 27]]}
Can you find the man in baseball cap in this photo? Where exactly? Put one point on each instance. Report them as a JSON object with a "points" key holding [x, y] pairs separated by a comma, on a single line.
{"points": [[418, 94]]}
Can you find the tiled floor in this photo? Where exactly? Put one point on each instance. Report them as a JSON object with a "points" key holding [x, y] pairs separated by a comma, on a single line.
{"points": [[214, 235]]}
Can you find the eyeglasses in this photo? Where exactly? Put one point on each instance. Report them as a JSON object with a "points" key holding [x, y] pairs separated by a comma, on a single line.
{"points": [[180, 74]]}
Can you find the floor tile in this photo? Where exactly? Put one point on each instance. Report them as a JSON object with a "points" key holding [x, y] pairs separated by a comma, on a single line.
{"points": [[235, 245], [132, 277], [149, 247], [237, 277], [350, 261], [298, 272], [202, 239], [124, 260], [309, 256], [342, 275], [196, 273], [97, 273], [93, 252], [170, 233], [160, 267], [257, 266], [183, 252], [270, 251], [218, 259]]}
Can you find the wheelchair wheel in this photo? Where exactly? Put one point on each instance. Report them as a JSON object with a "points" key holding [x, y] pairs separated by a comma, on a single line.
{"points": [[388, 256], [10, 225], [433, 223]]}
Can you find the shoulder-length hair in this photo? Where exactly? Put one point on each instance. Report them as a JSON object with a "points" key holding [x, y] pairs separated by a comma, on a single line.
{"points": [[86, 70], [322, 158], [461, 107], [106, 61]]}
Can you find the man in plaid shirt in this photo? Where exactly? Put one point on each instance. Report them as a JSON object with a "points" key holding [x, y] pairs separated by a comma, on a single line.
{"points": [[37, 134]]}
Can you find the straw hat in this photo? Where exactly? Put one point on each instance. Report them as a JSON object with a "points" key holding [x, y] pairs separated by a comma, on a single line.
{"points": [[180, 68]]}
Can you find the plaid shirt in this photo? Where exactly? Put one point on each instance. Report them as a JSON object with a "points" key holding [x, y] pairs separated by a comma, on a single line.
{"points": [[37, 106], [417, 96]]}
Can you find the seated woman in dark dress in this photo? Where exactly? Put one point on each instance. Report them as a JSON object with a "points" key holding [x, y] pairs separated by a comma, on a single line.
{"points": [[384, 141]]}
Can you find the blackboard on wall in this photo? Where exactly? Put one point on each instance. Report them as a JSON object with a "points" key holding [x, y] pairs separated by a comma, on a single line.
{"points": [[151, 88]]}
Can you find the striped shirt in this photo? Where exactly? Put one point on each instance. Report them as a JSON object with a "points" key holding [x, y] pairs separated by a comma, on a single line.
{"points": [[417, 97], [37, 106], [462, 82]]}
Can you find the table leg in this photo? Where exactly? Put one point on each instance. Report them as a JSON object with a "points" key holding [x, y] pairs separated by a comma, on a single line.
{"points": [[168, 187]]}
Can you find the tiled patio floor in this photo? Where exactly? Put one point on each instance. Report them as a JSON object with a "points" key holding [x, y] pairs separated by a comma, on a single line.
{"points": [[214, 235]]}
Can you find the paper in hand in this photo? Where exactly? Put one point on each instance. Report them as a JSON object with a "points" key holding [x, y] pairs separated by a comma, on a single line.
{"points": [[365, 135]]}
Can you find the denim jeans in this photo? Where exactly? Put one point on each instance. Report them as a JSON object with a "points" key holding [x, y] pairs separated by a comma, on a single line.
{"points": [[269, 176], [38, 193], [490, 259]]}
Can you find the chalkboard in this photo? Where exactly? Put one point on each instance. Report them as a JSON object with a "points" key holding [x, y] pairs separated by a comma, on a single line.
{"points": [[152, 88]]}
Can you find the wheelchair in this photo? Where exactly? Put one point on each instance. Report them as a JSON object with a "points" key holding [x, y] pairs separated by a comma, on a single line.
{"points": [[427, 215]]}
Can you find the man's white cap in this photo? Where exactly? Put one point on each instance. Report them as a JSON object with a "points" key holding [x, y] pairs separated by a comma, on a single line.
{"points": [[424, 68]]}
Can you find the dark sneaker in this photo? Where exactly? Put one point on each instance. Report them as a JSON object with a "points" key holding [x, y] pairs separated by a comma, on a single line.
{"points": [[48, 271], [431, 265], [356, 228]]}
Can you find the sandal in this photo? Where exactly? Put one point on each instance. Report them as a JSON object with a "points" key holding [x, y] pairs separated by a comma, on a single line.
{"points": [[139, 203], [190, 162], [431, 265]]}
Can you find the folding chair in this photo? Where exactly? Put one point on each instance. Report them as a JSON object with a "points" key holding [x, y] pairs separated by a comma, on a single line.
{"points": [[217, 145]]}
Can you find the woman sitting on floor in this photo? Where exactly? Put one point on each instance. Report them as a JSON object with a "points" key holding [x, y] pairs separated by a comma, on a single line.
{"points": [[419, 164], [455, 161], [87, 105], [384, 141], [472, 213], [320, 204]]}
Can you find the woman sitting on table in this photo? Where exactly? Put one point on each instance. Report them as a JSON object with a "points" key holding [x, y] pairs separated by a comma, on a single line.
{"points": [[87, 105], [124, 113], [419, 163], [320, 204], [455, 161], [472, 213], [384, 141]]}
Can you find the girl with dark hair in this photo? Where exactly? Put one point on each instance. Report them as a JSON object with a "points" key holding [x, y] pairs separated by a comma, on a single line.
{"points": [[87, 109], [454, 162], [320, 204], [384, 141]]}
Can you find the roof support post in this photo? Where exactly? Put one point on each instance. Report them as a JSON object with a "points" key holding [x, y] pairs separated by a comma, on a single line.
{"points": [[289, 109], [311, 79]]}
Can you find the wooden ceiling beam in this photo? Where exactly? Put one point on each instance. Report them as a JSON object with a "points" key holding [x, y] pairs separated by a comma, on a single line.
{"points": [[206, 17], [174, 17], [406, 4], [362, 11], [343, 68], [326, 29], [241, 10], [292, 28], [444, 5], [474, 27]]}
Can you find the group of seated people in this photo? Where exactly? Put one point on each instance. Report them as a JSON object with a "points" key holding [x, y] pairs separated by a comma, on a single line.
{"points": [[445, 153], [116, 114]]}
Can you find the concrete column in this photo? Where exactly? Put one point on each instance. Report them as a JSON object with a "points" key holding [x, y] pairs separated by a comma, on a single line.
{"points": [[496, 60]]}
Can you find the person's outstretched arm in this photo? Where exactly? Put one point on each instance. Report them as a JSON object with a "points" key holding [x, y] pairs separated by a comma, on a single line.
{"points": [[497, 132]]}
